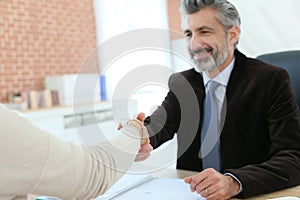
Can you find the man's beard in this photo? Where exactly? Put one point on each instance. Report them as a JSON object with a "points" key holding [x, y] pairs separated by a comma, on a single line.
{"points": [[211, 62]]}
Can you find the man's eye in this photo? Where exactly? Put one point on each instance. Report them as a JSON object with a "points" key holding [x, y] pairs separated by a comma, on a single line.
{"points": [[188, 35], [205, 32]]}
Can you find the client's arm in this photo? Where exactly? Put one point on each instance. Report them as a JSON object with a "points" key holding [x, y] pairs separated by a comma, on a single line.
{"points": [[34, 161]]}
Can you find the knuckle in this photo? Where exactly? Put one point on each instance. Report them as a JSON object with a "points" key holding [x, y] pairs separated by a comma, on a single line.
{"points": [[210, 170]]}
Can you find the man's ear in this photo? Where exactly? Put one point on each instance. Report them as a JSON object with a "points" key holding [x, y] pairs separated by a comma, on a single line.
{"points": [[234, 34]]}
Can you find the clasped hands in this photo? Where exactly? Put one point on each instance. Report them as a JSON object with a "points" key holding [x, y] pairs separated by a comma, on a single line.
{"points": [[145, 148]]}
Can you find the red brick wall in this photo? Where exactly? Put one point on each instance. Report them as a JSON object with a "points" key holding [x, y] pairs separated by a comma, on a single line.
{"points": [[174, 18], [48, 37], [40, 38]]}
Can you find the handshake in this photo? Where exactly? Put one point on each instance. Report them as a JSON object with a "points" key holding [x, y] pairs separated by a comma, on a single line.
{"points": [[145, 148]]}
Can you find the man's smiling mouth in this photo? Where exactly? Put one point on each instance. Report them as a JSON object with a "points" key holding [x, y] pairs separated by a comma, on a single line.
{"points": [[201, 53]]}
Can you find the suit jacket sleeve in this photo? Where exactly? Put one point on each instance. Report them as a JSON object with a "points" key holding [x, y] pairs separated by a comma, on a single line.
{"points": [[164, 121], [179, 112]]}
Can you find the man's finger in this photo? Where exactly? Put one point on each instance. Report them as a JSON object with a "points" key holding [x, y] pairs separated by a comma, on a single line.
{"points": [[188, 180], [119, 126], [144, 152], [141, 157], [141, 116]]}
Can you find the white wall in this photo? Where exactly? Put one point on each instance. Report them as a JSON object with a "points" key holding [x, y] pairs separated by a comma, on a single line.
{"points": [[268, 25], [113, 19]]}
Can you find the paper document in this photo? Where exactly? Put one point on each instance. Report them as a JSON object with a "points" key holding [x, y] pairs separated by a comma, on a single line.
{"points": [[146, 187], [126, 183], [286, 198]]}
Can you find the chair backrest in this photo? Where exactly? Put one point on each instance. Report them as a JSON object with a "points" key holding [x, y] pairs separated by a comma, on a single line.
{"points": [[290, 60]]}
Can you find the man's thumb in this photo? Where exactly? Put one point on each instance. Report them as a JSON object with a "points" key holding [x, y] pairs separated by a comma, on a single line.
{"points": [[140, 116]]}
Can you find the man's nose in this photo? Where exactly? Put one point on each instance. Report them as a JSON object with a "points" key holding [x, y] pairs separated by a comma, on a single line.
{"points": [[195, 43]]}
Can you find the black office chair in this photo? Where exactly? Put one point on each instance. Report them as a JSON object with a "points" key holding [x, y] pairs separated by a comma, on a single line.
{"points": [[290, 60]]}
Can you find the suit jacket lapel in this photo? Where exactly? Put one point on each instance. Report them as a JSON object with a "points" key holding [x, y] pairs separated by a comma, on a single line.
{"points": [[236, 86]]}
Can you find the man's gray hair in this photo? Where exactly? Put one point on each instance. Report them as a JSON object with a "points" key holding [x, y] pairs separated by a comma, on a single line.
{"points": [[228, 15]]}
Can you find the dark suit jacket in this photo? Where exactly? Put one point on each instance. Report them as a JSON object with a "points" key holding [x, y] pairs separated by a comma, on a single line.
{"points": [[260, 140]]}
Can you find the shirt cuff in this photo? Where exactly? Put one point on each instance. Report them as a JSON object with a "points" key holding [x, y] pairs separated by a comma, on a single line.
{"points": [[237, 180]]}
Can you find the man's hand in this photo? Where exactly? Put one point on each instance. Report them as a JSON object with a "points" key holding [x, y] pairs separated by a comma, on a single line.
{"points": [[144, 152], [142, 130], [145, 148], [140, 117], [213, 185]]}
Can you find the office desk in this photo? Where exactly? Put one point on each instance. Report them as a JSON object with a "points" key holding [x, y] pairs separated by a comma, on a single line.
{"points": [[172, 173]]}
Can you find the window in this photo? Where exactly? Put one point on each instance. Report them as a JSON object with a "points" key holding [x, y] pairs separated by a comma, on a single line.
{"points": [[114, 18]]}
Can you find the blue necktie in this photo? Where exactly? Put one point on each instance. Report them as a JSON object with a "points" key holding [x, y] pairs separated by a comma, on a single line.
{"points": [[210, 131]]}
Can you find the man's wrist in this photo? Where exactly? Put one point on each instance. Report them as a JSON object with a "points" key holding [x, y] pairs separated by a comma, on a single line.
{"points": [[237, 187]]}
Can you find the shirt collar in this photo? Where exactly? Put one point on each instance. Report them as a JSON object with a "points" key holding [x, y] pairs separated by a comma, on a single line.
{"points": [[223, 77]]}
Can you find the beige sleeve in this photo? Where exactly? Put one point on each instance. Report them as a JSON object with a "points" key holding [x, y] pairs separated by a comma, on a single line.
{"points": [[34, 161]]}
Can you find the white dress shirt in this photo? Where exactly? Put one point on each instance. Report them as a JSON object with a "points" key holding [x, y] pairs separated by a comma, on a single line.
{"points": [[222, 78]]}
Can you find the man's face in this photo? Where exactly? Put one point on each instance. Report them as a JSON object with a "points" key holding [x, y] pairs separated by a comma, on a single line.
{"points": [[208, 43]]}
